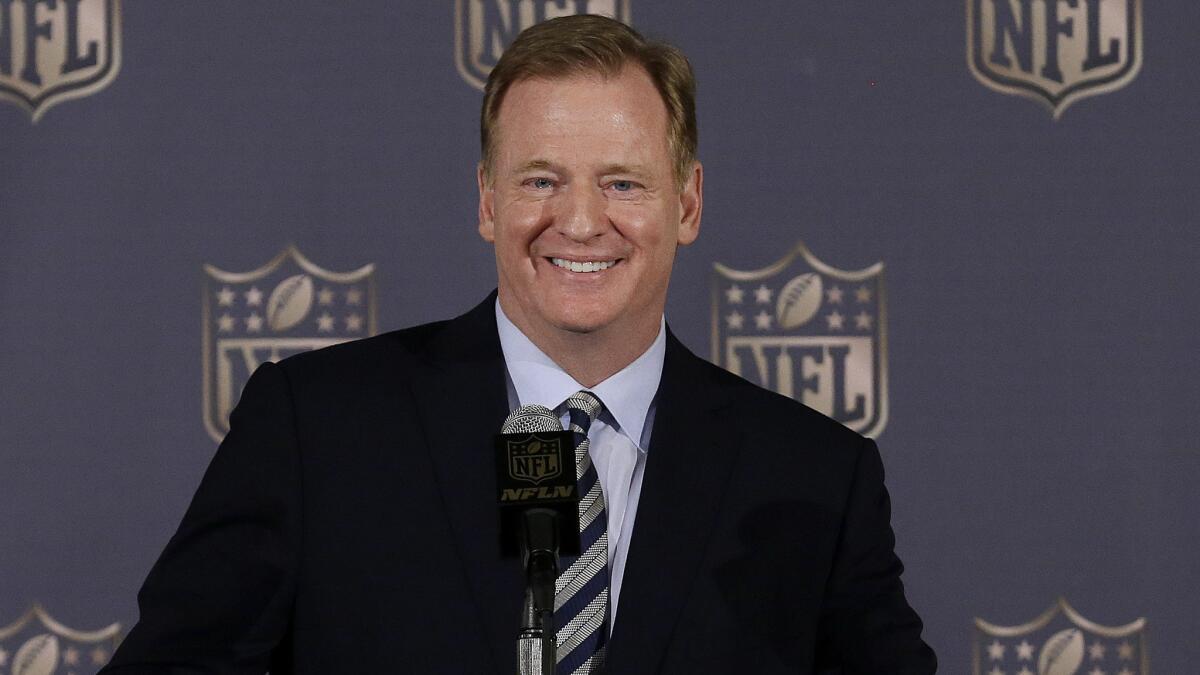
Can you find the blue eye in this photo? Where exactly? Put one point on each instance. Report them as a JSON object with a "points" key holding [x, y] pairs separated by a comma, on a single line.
{"points": [[622, 185], [542, 183]]}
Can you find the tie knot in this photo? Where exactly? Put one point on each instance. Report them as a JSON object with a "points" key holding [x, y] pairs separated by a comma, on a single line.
{"points": [[583, 407]]}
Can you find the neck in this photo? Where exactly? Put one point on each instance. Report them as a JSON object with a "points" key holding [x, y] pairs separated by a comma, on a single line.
{"points": [[589, 357]]}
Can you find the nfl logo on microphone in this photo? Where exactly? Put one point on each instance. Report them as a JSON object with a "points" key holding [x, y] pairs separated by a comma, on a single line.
{"points": [[534, 460], [809, 331]]}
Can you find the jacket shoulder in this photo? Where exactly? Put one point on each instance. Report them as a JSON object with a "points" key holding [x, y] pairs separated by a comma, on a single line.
{"points": [[363, 359], [778, 413]]}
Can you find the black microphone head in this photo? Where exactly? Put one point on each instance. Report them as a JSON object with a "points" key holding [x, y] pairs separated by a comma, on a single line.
{"points": [[531, 419], [535, 469]]}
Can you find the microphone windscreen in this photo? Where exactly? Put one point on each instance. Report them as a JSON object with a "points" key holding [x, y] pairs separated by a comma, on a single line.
{"points": [[531, 419]]}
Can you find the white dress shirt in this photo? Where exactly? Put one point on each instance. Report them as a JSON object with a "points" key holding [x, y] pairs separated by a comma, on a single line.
{"points": [[619, 437]]}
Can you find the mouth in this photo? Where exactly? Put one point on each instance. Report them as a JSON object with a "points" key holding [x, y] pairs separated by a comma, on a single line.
{"points": [[586, 267]]}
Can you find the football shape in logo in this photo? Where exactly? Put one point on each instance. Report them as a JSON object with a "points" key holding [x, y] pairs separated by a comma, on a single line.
{"points": [[799, 300], [1062, 654], [289, 302], [38, 656]]}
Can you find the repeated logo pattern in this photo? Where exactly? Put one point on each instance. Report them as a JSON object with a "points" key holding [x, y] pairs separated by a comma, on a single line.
{"points": [[36, 644], [809, 331], [288, 306], [1054, 51], [483, 29], [1060, 642], [54, 51]]}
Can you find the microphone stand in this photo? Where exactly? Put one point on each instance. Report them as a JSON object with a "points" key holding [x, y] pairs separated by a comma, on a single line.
{"points": [[536, 645]]}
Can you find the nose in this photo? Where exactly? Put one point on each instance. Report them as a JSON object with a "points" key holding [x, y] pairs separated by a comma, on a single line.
{"points": [[583, 214]]}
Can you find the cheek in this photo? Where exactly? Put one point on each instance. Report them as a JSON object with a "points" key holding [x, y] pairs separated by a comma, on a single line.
{"points": [[521, 221], [649, 230], [517, 239]]}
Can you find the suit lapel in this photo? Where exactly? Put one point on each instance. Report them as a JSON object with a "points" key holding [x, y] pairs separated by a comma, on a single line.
{"points": [[462, 398], [691, 455]]}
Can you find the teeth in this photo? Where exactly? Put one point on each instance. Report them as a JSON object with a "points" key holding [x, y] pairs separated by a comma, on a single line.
{"points": [[583, 266]]}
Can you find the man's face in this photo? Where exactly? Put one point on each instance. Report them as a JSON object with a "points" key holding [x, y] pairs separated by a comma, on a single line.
{"points": [[583, 207]]}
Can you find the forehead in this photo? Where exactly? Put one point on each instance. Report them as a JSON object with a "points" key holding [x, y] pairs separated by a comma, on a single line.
{"points": [[622, 113]]}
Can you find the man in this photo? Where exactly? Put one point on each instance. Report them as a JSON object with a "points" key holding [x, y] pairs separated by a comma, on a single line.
{"points": [[348, 523]]}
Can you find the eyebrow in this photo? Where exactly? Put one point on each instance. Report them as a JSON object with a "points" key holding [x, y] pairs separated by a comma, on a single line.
{"points": [[537, 165], [607, 170], [626, 169]]}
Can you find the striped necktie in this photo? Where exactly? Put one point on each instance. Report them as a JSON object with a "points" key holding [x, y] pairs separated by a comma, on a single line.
{"points": [[581, 590]]}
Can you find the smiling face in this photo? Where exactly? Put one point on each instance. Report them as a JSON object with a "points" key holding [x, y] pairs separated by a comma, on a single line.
{"points": [[583, 207]]}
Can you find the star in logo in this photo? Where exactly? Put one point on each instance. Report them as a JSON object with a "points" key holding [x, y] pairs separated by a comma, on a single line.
{"points": [[225, 323], [354, 323], [733, 295], [835, 295], [325, 296], [225, 297], [1125, 671], [1125, 650], [862, 320], [325, 322], [762, 320], [1096, 671], [995, 671], [254, 323], [99, 656], [762, 295], [71, 656], [835, 320], [734, 320], [353, 296], [1096, 651], [995, 650], [1025, 671], [1025, 651], [254, 297], [863, 294]]}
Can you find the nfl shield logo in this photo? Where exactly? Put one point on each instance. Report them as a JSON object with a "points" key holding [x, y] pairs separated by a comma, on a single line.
{"points": [[51, 52], [483, 29], [288, 306], [534, 460], [1054, 51], [36, 644], [808, 331], [1060, 642]]}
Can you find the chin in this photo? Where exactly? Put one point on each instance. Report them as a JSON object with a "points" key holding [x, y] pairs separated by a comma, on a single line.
{"points": [[580, 313], [581, 324]]}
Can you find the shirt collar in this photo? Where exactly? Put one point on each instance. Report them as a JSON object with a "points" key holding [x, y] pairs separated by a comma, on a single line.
{"points": [[537, 379]]}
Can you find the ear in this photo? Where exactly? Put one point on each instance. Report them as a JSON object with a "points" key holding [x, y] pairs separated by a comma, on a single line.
{"points": [[487, 224], [691, 204]]}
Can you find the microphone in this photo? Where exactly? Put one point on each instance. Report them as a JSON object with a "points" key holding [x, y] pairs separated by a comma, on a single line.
{"points": [[535, 469], [539, 512]]}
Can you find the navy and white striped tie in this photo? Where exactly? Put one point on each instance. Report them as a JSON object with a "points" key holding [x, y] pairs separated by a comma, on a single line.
{"points": [[581, 590]]}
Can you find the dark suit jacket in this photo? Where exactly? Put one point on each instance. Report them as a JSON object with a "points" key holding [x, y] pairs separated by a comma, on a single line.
{"points": [[348, 524]]}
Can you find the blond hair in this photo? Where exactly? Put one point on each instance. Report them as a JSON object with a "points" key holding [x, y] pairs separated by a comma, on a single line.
{"points": [[586, 44]]}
